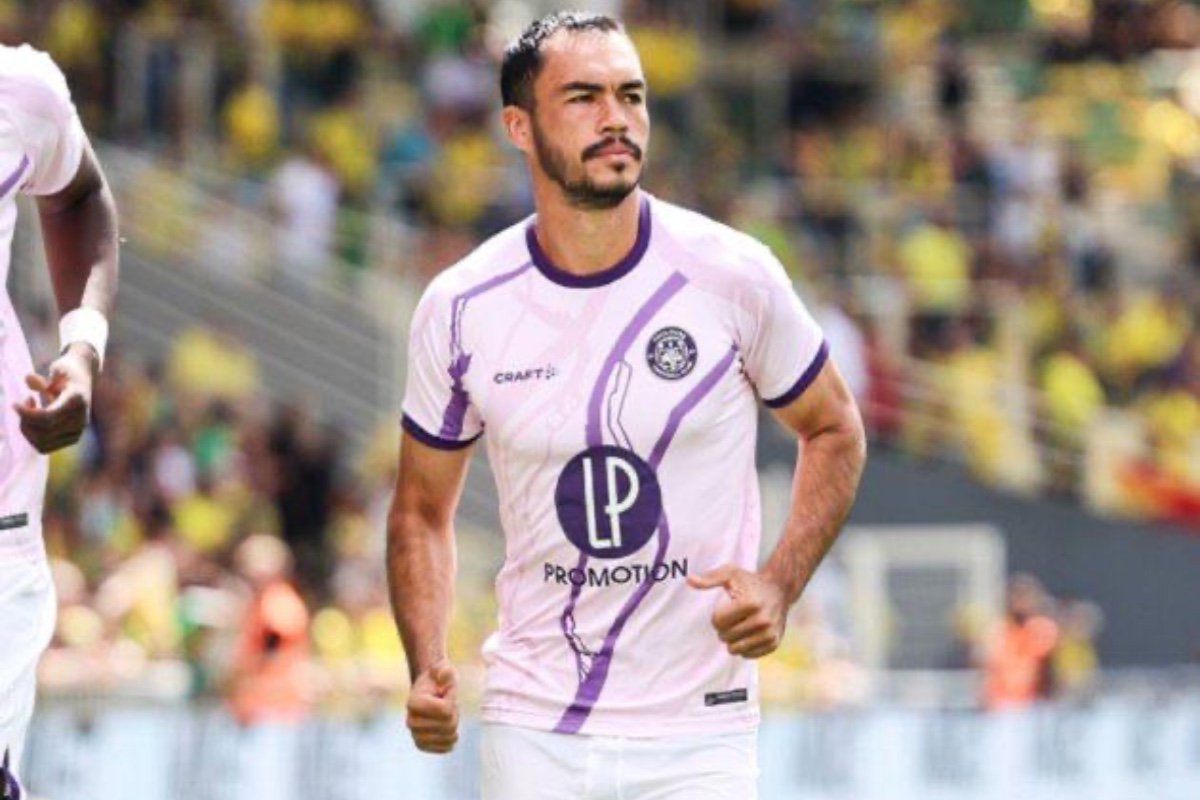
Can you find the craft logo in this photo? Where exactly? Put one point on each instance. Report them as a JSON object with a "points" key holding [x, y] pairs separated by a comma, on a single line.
{"points": [[522, 375], [671, 353]]}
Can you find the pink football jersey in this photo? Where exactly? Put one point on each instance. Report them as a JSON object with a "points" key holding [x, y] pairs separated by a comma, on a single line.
{"points": [[621, 415], [41, 144]]}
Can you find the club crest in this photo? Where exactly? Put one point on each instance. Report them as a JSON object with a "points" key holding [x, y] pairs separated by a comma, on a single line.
{"points": [[671, 353]]}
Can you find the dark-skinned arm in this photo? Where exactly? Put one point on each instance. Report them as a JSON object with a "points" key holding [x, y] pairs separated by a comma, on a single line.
{"points": [[79, 230]]}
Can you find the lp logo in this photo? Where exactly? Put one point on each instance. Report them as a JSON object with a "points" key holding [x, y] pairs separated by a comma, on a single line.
{"points": [[608, 502]]}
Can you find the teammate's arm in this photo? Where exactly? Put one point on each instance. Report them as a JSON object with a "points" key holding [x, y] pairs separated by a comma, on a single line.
{"points": [[79, 229], [421, 567], [752, 618]]}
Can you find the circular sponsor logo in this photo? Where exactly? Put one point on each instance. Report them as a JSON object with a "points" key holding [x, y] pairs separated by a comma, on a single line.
{"points": [[609, 502], [671, 353]]}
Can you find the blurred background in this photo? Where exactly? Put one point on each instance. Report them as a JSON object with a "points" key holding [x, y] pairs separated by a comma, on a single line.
{"points": [[992, 206]]}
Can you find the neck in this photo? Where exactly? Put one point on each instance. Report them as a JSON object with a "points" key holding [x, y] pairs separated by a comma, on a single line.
{"points": [[583, 241]]}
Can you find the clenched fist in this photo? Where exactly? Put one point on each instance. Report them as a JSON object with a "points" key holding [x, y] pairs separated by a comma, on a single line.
{"points": [[433, 709], [751, 616]]}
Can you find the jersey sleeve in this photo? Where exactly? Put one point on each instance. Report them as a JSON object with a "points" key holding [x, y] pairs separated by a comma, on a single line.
{"points": [[785, 349], [35, 96], [437, 406]]}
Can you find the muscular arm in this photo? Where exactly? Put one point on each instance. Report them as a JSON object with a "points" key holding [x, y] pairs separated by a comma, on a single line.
{"points": [[752, 616], [79, 228], [832, 452], [420, 548]]}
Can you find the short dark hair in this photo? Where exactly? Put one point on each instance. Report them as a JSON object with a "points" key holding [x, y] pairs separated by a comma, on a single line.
{"points": [[523, 58]]}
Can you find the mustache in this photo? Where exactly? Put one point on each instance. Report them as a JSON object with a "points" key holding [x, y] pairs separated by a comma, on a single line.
{"points": [[593, 150]]}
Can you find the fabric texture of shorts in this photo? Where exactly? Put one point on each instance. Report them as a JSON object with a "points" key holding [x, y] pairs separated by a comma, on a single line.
{"points": [[27, 614], [16, 710], [527, 764]]}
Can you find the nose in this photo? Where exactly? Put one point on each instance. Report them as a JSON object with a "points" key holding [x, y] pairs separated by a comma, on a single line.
{"points": [[612, 116]]}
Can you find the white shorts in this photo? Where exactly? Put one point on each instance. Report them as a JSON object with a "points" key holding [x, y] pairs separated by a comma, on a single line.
{"points": [[527, 764], [27, 613]]}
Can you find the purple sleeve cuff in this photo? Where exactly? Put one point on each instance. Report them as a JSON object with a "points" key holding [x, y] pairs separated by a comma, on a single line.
{"points": [[806, 378], [425, 437]]}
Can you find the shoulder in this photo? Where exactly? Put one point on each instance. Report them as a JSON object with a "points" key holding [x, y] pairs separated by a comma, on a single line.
{"points": [[31, 82], [711, 252], [492, 263]]}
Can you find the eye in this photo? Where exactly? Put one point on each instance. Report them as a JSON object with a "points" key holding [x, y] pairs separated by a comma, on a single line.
{"points": [[634, 99], [580, 98]]}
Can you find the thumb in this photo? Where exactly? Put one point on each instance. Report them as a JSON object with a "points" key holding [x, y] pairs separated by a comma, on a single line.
{"points": [[36, 382], [721, 576], [50, 386], [443, 676]]}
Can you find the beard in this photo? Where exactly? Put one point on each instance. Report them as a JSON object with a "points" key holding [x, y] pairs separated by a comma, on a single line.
{"points": [[584, 192]]}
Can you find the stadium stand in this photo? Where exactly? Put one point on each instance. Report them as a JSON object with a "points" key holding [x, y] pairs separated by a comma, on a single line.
{"points": [[990, 205]]}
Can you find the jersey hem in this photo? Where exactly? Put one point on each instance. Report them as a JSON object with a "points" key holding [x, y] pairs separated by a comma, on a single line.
{"points": [[744, 721], [804, 381], [425, 437]]}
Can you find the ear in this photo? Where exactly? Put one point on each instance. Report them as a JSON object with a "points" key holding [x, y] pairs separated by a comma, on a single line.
{"points": [[518, 127]]}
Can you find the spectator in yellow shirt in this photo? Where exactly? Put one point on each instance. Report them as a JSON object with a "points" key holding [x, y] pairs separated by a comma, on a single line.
{"points": [[1071, 390], [205, 521], [1071, 397], [936, 261], [1146, 332], [250, 125], [1172, 415], [210, 363]]}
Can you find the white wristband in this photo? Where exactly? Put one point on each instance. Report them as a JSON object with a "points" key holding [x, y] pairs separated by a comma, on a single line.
{"points": [[85, 325]]}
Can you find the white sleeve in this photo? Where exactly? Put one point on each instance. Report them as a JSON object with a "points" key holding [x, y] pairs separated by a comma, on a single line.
{"points": [[437, 407], [35, 98], [785, 348]]}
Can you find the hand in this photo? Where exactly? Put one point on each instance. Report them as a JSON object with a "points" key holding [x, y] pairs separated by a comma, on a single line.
{"points": [[433, 709], [66, 400], [752, 615]]}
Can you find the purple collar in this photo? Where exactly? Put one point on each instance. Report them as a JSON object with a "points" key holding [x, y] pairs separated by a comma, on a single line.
{"points": [[604, 276]]}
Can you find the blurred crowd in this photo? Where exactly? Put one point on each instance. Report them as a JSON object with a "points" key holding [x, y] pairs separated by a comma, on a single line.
{"points": [[991, 207], [206, 543]]}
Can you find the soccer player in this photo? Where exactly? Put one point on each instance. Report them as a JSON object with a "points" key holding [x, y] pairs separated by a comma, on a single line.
{"points": [[44, 152], [614, 348]]}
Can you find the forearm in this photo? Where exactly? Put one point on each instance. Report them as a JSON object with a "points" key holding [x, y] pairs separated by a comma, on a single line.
{"points": [[421, 567], [81, 242], [823, 490]]}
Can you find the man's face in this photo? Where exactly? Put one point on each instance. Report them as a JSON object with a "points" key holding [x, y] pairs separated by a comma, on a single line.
{"points": [[589, 124]]}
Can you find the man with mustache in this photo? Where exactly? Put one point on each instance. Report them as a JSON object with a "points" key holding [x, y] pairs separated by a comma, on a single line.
{"points": [[614, 347], [44, 153]]}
